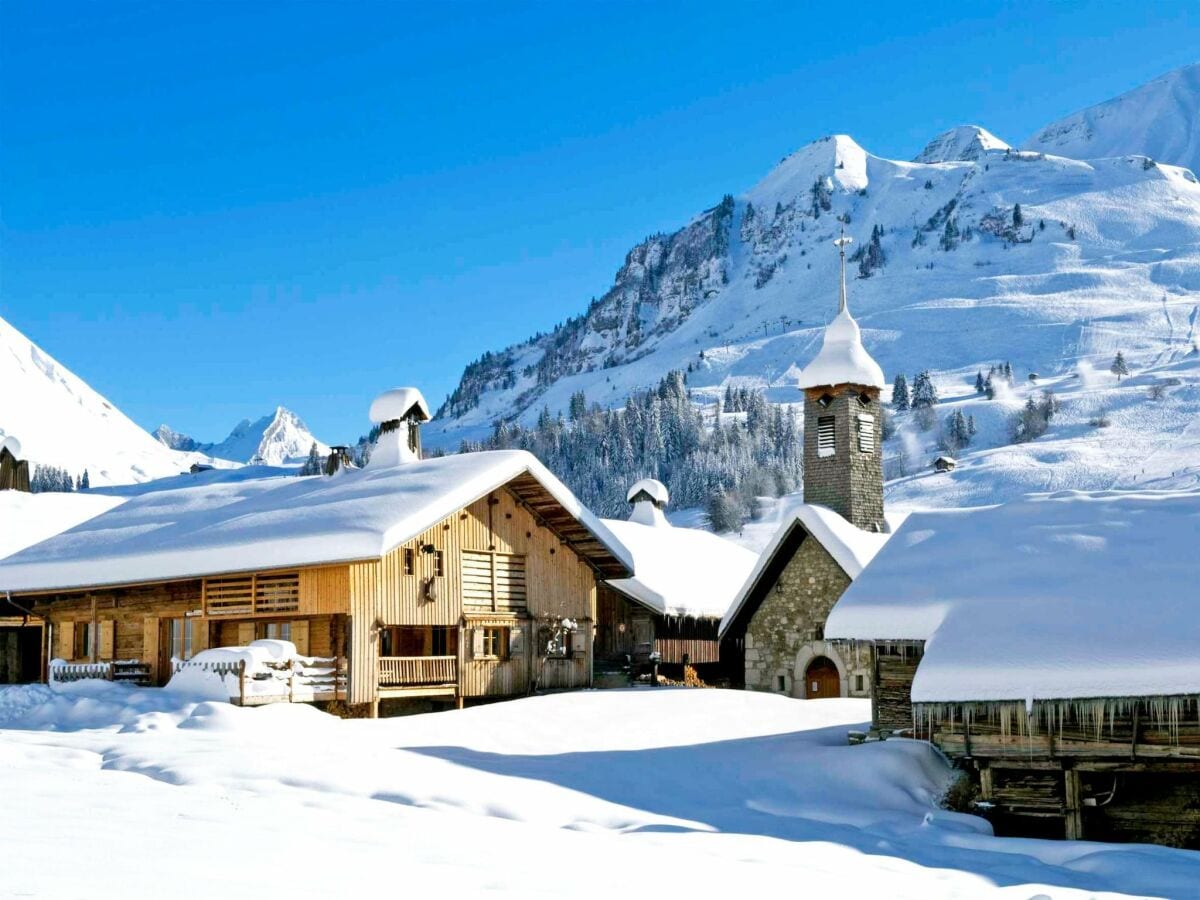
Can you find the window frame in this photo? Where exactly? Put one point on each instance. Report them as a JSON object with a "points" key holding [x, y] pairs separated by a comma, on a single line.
{"points": [[496, 641], [826, 436]]}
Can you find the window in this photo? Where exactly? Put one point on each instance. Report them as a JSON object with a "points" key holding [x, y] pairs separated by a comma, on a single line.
{"points": [[409, 566], [826, 439], [439, 563], [493, 642], [781, 683], [85, 640], [264, 592], [859, 683], [864, 399], [413, 640], [274, 631], [180, 639], [866, 433]]}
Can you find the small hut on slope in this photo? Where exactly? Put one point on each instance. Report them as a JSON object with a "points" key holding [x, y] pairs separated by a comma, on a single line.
{"points": [[1051, 647]]}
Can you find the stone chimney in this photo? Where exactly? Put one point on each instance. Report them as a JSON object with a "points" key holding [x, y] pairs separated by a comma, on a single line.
{"points": [[648, 498], [399, 414]]}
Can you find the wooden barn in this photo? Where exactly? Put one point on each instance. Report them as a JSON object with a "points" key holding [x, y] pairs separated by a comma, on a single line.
{"points": [[669, 612], [1051, 648], [425, 578], [14, 471]]}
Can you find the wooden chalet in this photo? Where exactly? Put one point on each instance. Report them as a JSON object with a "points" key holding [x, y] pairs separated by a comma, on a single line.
{"points": [[1051, 648], [670, 611], [422, 578]]}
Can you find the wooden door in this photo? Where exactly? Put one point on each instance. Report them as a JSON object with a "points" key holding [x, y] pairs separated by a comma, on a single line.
{"points": [[821, 679]]}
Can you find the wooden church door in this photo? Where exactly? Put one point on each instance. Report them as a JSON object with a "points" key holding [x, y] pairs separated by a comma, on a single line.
{"points": [[821, 679]]}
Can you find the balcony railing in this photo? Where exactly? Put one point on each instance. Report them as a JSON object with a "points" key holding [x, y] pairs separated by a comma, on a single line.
{"points": [[402, 671]]}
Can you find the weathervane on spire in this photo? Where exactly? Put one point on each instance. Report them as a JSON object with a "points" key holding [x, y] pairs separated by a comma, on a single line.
{"points": [[840, 243]]}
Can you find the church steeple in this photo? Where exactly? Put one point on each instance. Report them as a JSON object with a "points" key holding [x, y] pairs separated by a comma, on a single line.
{"points": [[843, 456]]}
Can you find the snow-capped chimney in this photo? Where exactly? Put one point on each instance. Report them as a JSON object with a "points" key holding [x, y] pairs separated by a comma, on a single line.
{"points": [[399, 414], [339, 458], [648, 498]]}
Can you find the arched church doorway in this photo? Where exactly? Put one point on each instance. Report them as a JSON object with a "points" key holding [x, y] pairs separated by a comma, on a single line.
{"points": [[821, 679]]}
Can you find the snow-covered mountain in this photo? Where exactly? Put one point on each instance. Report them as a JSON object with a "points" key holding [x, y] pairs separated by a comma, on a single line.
{"points": [[60, 421], [1101, 255], [966, 142], [274, 440], [1160, 119]]}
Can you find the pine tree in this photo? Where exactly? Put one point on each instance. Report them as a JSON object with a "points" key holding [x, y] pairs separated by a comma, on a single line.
{"points": [[85, 481], [900, 397], [924, 394], [1018, 218], [980, 384], [1119, 366], [312, 465], [971, 429]]}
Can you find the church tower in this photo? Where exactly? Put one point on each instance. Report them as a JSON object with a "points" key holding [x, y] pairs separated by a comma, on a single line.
{"points": [[843, 421]]}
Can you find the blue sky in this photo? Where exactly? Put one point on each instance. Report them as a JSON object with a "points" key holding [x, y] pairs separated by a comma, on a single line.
{"points": [[209, 209]]}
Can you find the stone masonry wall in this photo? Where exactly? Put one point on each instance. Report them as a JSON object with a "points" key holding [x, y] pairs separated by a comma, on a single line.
{"points": [[851, 481], [794, 616]]}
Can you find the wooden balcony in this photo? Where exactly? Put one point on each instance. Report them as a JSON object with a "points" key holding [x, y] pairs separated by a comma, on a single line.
{"points": [[423, 676]]}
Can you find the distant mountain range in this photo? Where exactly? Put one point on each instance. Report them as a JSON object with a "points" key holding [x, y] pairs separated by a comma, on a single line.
{"points": [[276, 439]]}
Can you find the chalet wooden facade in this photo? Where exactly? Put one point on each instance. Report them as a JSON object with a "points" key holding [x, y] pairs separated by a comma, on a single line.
{"points": [[14, 472], [490, 553], [1064, 683]]}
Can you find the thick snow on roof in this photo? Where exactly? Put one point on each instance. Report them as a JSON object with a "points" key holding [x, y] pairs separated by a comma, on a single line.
{"points": [[28, 518], [681, 571], [1056, 596], [12, 445], [842, 359], [655, 489], [398, 403], [850, 546], [228, 526]]}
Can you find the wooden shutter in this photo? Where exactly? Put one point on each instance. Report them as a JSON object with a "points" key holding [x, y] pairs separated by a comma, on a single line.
{"points": [[199, 635], [866, 433], [108, 632], [245, 633], [300, 636], [66, 640], [477, 642], [516, 641], [477, 579], [150, 644], [826, 437], [510, 581]]}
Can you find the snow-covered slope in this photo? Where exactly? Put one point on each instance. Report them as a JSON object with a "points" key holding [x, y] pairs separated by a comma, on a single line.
{"points": [[1159, 120], [273, 440], [967, 142], [1107, 257], [60, 421], [28, 519]]}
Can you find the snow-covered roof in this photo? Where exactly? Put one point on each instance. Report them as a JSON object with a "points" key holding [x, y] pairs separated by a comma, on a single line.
{"points": [[850, 546], [681, 571], [398, 403], [12, 445], [652, 487], [228, 526], [842, 359], [1055, 596]]}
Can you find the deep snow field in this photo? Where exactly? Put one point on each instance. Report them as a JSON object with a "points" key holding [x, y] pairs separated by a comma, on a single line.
{"points": [[118, 792]]}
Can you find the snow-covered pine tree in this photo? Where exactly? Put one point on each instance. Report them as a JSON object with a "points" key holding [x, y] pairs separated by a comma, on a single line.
{"points": [[980, 384], [312, 465], [900, 397], [1018, 218], [924, 394], [1119, 367]]}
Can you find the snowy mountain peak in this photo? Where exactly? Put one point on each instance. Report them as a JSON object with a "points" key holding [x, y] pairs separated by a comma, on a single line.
{"points": [[1157, 120], [166, 436], [274, 439], [836, 162], [966, 143]]}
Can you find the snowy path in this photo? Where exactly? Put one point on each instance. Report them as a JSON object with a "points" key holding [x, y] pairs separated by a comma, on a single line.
{"points": [[582, 795]]}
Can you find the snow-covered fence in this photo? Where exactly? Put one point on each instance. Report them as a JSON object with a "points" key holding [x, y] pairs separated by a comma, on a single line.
{"points": [[130, 671], [297, 680], [64, 673]]}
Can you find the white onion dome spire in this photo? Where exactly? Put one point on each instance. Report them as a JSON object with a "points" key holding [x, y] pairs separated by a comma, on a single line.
{"points": [[842, 359]]}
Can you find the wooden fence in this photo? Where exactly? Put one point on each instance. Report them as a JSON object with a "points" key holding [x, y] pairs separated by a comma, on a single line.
{"points": [[289, 681]]}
